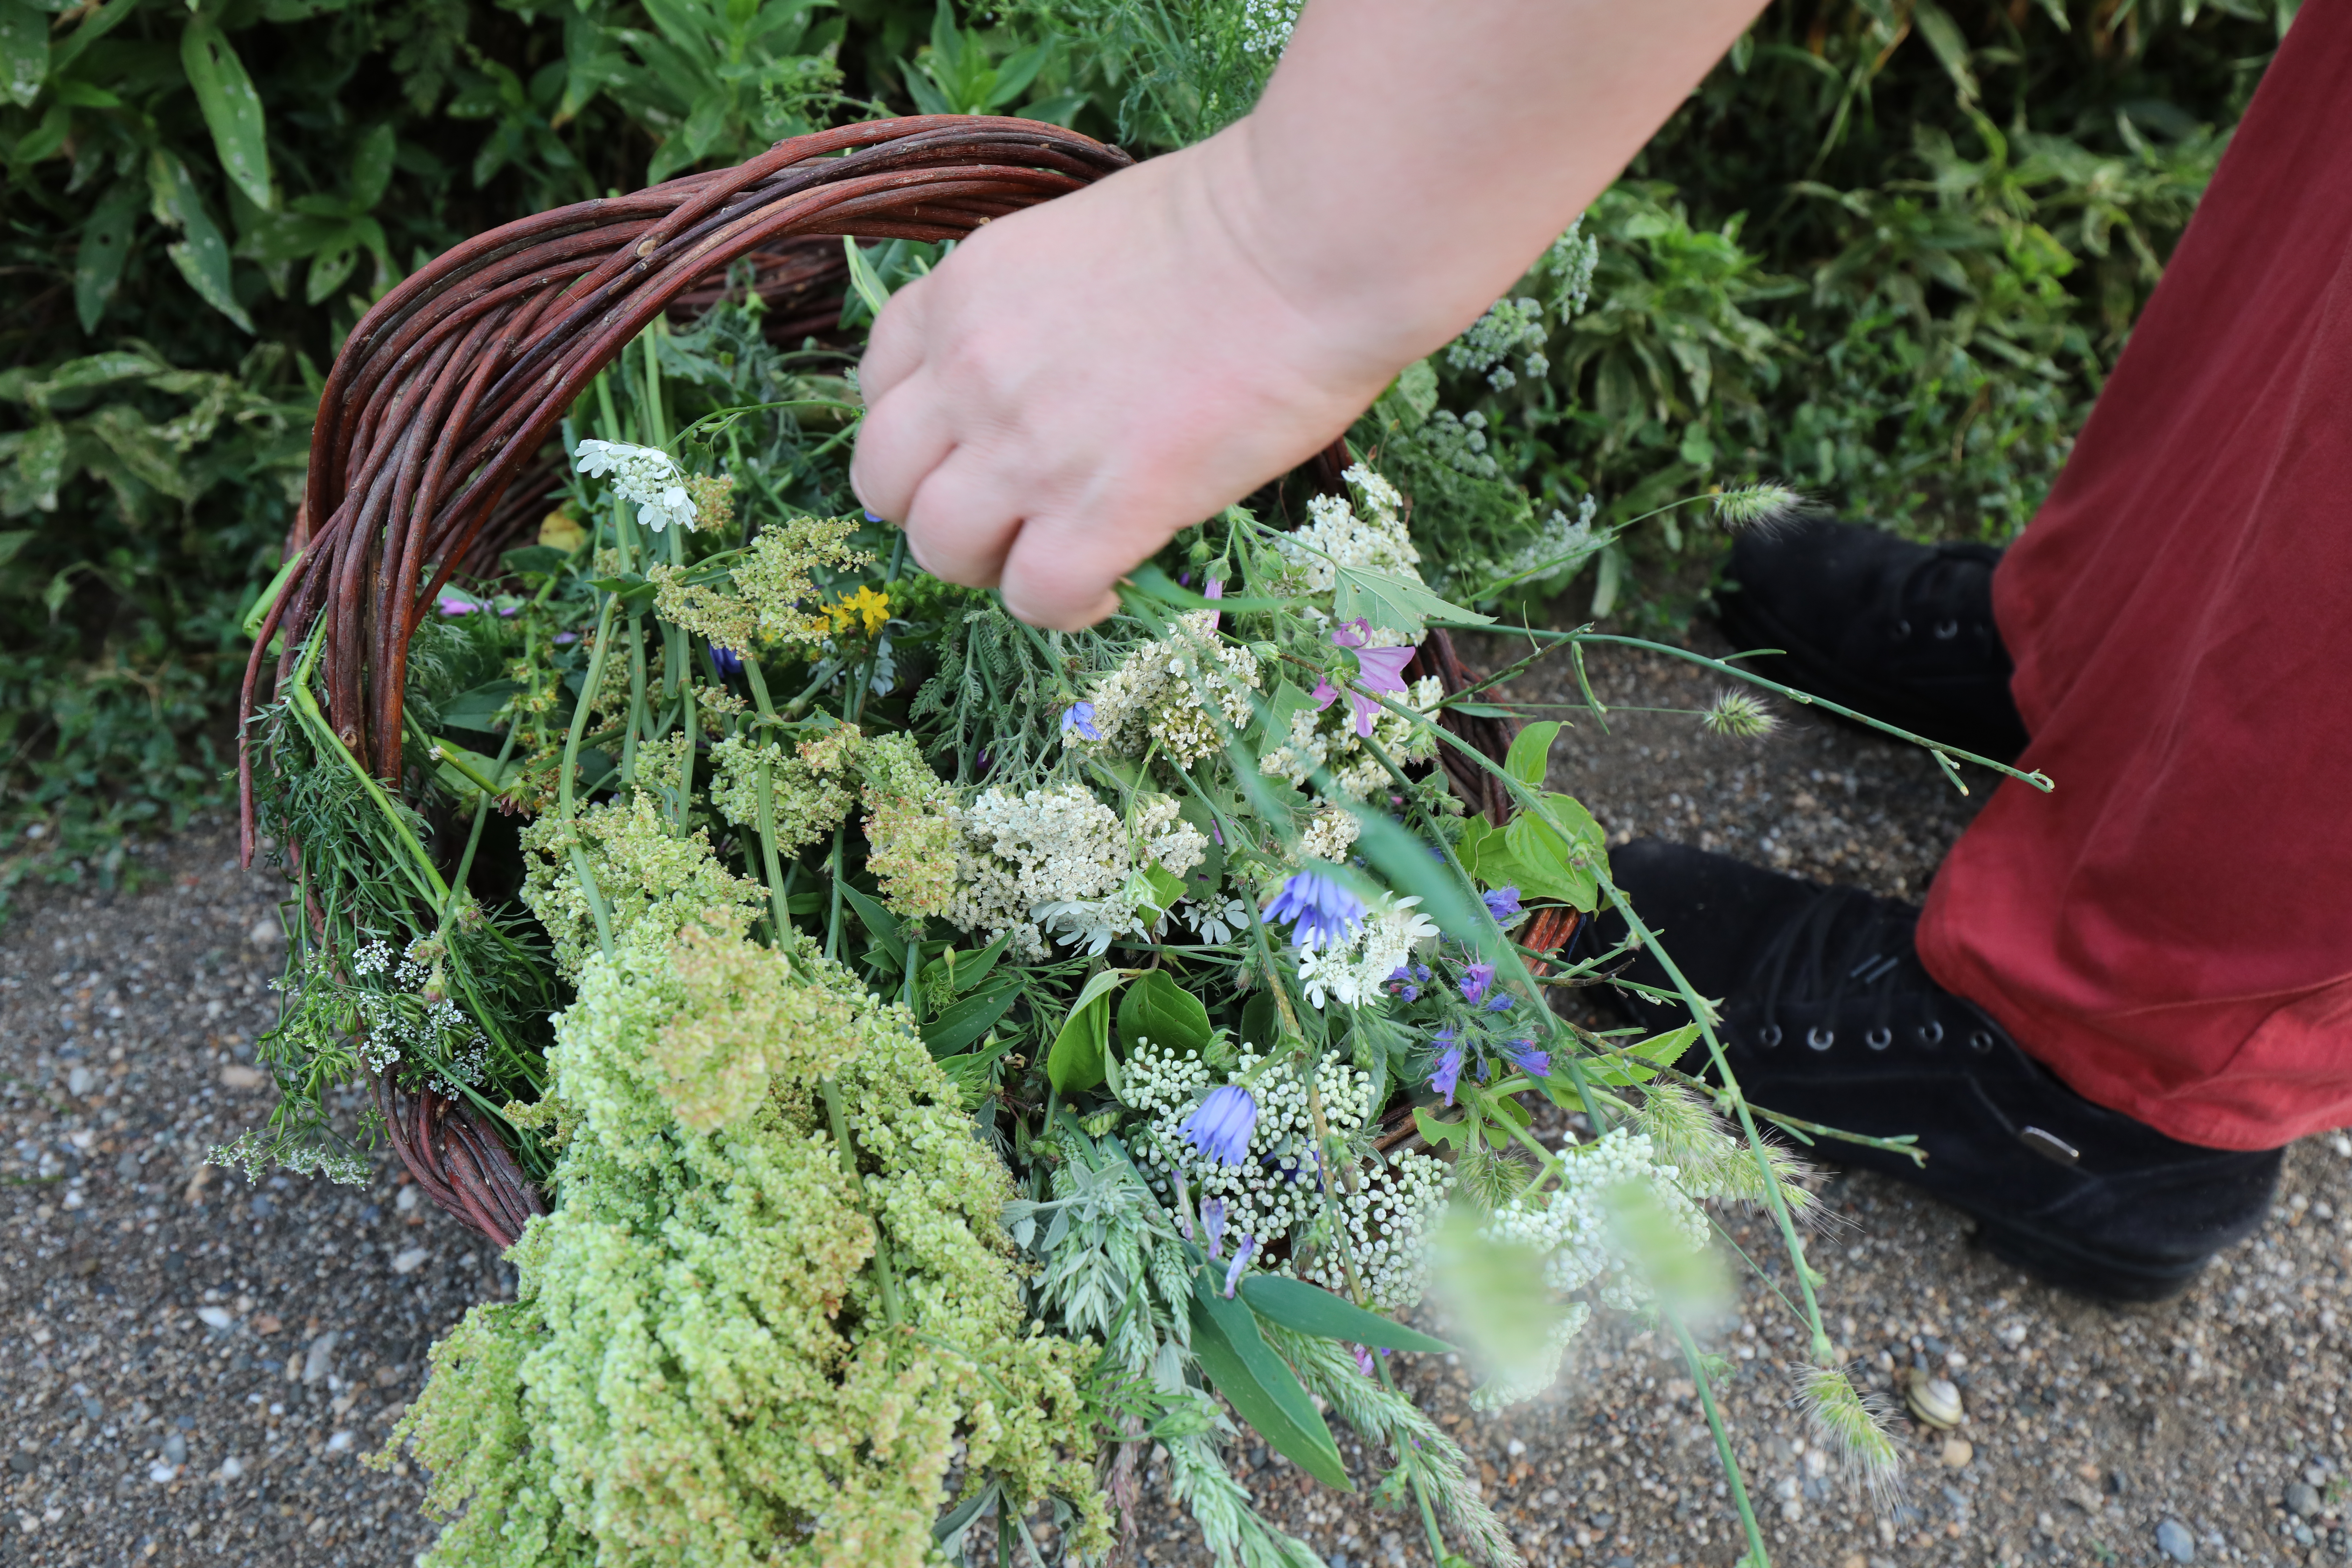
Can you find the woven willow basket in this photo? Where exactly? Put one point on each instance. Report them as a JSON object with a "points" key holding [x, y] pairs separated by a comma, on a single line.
{"points": [[432, 453]]}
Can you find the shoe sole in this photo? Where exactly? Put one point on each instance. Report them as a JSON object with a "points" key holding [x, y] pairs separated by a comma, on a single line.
{"points": [[2085, 1271]]}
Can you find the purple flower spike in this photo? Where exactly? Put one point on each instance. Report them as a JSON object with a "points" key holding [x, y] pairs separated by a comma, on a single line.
{"points": [[1447, 1070], [1326, 913], [1241, 1256], [456, 604], [1475, 981], [1502, 903], [1500, 1002], [1080, 717], [1528, 1059], [725, 662], [1212, 1224], [1365, 1363], [1221, 1129]]}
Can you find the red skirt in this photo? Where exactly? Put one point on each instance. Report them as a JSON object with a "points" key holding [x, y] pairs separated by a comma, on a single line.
{"points": [[2170, 931]]}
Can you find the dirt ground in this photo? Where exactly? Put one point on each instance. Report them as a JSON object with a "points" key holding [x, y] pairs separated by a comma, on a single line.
{"points": [[191, 1367]]}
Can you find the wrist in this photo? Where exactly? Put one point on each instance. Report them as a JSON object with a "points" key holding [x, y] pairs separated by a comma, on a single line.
{"points": [[1325, 261]]}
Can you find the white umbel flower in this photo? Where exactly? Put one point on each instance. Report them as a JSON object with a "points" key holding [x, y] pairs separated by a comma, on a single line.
{"points": [[645, 475]]}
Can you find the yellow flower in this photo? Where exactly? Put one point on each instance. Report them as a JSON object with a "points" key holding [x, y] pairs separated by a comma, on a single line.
{"points": [[872, 606]]}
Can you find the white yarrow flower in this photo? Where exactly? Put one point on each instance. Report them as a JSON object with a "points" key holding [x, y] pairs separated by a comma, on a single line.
{"points": [[645, 475]]}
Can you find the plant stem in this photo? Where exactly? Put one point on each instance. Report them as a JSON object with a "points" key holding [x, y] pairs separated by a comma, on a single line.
{"points": [[1722, 1445]]}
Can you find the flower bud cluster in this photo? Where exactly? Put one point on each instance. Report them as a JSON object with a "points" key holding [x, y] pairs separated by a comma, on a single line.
{"points": [[1062, 858], [1156, 694]]}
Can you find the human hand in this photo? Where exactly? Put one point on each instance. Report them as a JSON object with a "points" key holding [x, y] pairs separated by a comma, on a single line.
{"points": [[1079, 381]]}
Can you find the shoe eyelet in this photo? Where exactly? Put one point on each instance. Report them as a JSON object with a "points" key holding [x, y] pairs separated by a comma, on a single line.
{"points": [[1769, 1035], [1979, 1041], [1931, 1033], [1878, 1039], [1947, 630], [1820, 1039]]}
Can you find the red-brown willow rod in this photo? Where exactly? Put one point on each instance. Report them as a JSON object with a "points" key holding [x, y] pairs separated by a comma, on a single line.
{"points": [[446, 391]]}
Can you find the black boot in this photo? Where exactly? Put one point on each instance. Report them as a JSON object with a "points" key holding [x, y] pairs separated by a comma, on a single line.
{"points": [[1900, 631], [1829, 1018]]}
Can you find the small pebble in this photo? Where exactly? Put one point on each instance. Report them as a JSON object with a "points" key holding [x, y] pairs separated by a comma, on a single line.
{"points": [[409, 1260], [215, 1317], [232, 1468], [2172, 1539], [2302, 1500], [80, 1081], [1957, 1452], [321, 1359], [407, 1201], [175, 1449]]}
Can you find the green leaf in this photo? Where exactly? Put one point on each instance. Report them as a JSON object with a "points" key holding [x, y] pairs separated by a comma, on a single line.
{"points": [[1393, 602], [1075, 1062], [1434, 1130], [1260, 1386], [633, 592], [1530, 755], [1556, 868], [970, 971], [95, 25], [1158, 1009], [24, 52], [1311, 1310], [1641, 1061], [960, 1023], [544, 559], [202, 255], [1166, 889], [478, 709], [1208, 873], [41, 466], [232, 109], [862, 275], [877, 922], [1950, 46], [1480, 711], [105, 241], [1416, 388], [1151, 582], [12, 541], [335, 262], [371, 167]]}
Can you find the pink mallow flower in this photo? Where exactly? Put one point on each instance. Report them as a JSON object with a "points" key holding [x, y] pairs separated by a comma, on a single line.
{"points": [[1380, 669]]}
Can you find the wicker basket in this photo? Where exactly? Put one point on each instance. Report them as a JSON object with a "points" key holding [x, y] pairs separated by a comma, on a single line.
{"points": [[431, 452]]}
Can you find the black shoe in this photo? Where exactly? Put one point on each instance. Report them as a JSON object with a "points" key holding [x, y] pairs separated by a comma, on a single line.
{"points": [[1900, 631], [1829, 1017]]}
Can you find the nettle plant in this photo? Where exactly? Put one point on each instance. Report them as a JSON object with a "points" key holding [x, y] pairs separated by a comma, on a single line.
{"points": [[962, 1059]]}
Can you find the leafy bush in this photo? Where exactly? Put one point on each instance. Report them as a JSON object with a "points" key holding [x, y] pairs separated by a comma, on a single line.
{"points": [[1961, 211], [1887, 253]]}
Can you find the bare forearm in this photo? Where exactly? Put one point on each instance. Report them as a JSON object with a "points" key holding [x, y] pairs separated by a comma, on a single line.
{"points": [[1412, 157]]}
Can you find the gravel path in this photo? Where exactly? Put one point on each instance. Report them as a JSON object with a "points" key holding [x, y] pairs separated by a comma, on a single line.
{"points": [[191, 1368]]}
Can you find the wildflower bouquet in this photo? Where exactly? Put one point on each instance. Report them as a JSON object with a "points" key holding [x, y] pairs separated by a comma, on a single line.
{"points": [[920, 1064]]}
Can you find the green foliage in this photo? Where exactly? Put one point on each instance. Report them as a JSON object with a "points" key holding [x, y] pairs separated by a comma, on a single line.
{"points": [[1887, 253], [201, 203]]}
